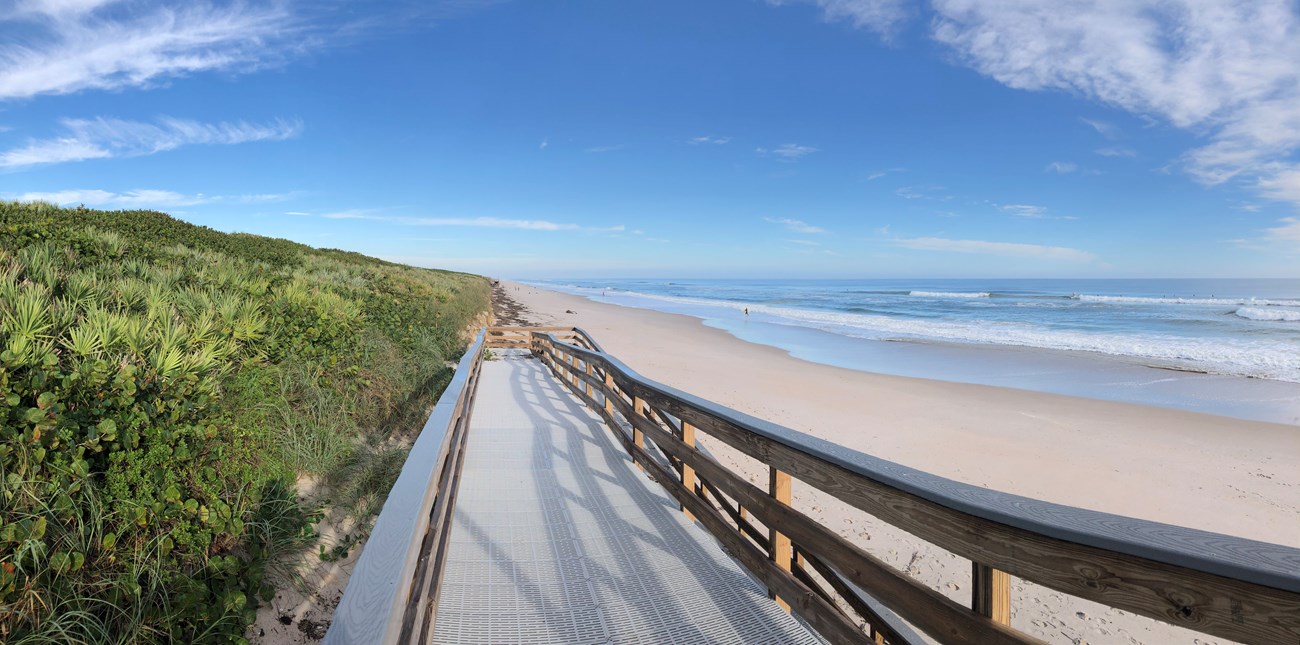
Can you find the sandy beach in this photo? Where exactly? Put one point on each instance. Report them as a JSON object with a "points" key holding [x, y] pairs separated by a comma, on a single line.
{"points": [[1202, 471]]}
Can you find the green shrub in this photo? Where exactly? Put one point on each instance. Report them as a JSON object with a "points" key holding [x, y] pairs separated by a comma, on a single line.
{"points": [[162, 385]]}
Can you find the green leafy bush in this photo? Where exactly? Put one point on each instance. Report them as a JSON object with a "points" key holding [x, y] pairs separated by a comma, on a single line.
{"points": [[162, 385]]}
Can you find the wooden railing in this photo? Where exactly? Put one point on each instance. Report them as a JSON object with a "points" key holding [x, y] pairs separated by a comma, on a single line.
{"points": [[393, 589], [522, 337], [1216, 584]]}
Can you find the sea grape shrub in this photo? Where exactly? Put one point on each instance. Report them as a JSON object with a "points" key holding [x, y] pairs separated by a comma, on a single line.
{"points": [[150, 372]]}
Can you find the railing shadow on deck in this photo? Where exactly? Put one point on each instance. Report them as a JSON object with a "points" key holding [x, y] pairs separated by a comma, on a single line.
{"points": [[611, 467]]}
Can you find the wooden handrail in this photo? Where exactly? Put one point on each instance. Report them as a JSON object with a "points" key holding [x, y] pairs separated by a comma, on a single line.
{"points": [[520, 337], [392, 593], [1217, 584]]}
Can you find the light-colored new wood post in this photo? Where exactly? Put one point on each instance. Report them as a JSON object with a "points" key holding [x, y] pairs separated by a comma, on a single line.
{"points": [[781, 552], [991, 593], [638, 437], [688, 473], [589, 370], [609, 392]]}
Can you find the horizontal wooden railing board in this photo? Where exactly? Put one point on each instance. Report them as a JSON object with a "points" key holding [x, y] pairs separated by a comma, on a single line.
{"points": [[374, 604], [1223, 585], [881, 618]]}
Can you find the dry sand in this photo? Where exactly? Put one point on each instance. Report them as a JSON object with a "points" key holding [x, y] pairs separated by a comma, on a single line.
{"points": [[1202, 471], [305, 599]]}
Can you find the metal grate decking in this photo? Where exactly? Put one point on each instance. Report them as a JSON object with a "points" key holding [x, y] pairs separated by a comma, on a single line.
{"points": [[557, 538]]}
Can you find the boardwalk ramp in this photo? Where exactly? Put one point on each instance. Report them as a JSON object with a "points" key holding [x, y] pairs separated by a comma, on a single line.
{"points": [[558, 538]]}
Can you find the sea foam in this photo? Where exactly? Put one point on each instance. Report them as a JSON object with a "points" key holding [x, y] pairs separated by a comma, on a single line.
{"points": [[1279, 315], [1259, 358], [949, 294], [1143, 300]]}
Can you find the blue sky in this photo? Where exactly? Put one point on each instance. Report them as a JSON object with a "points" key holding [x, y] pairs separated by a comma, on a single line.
{"points": [[811, 138]]}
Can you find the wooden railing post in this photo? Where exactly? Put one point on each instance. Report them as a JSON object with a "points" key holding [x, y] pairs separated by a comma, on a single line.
{"points": [[589, 370], [688, 472], [781, 552], [609, 392], [991, 593], [638, 437]]}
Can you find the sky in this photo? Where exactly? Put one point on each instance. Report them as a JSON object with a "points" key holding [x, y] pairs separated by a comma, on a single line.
{"points": [[681, 138]]}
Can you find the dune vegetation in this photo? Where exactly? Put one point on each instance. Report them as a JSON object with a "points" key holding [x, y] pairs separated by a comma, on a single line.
{"points": [[163, 386]]}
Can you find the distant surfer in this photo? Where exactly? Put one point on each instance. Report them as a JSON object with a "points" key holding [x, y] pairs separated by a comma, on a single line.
{"points": [[746, 311]]}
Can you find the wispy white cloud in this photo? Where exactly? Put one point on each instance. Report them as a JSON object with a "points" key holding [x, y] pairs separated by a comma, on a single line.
{"points": [[106, 137], [474, 222], [805, 242], [1030, 211], [795, 225], [884, 17], [1006, 249], [708, 140], [497, 222], [1061, 167], [1223, 69], [1282, 184], [144, 198], [1288, 230], [543, 145], [1104, 128], [65, 46], [877, 174], [1024, 210], [1116, 151], [788, 151], [935, 193], [605, 148]]}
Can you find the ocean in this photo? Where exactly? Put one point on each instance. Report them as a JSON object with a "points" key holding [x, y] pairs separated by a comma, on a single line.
{"points": [[1221, 346]]}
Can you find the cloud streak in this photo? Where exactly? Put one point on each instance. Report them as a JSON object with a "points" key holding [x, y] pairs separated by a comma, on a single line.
{"points": [[1116, 151], [144, 198], [472, 222], [1103, 128], [788, 151], [1030, 211], [62, 47], [1004, 249], [1222, 69], [884, 17], [798, 226], [1288, 230], [1226, 70], [708, 140], [101, 138]]}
